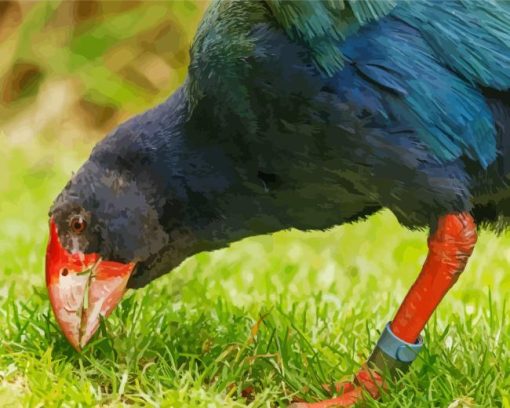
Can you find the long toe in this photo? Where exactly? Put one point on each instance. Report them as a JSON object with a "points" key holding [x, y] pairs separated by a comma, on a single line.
{"points": [[371, 382], [348, 399], [340, 387], [368, 382]]}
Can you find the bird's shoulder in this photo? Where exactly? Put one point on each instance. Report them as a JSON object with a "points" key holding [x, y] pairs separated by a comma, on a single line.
{"points": [[321, 25]]}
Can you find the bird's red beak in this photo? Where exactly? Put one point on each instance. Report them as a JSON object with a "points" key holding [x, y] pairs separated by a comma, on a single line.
{"points": [[82, 288]]}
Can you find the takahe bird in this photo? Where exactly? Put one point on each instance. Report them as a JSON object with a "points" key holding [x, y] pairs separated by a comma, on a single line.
{"points": [[300, 115]]}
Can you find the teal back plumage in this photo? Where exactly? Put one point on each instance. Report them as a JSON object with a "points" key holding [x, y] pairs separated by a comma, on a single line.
{"points": [[471, 37], [320, 25], [467, 40]]}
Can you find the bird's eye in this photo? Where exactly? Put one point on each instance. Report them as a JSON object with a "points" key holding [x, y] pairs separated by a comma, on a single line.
{"points": [[78, 224]]}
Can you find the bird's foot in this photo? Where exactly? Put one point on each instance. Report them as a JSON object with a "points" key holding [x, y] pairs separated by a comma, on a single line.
{"points": [[367, 383]]}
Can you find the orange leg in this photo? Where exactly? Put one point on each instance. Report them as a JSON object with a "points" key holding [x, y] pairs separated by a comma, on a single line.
{"points": [[450, 246], [449, 250]]}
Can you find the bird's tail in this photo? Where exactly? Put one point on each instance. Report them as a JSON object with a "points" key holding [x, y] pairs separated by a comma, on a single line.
{"points": [[491, 187]]}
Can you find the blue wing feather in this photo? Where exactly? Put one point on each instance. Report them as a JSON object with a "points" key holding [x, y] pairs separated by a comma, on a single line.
{"points": [[471, 37], [430, 57], [448, 113]]}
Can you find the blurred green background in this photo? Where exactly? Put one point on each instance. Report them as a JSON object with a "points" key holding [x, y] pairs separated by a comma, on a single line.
{"points": [[272, 314], [74, 69]]}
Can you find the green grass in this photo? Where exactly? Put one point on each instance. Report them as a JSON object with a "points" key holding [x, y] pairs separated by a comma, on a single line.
{"points": [[190, 339]]}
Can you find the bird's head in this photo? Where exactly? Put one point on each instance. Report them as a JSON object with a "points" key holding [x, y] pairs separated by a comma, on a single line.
{"points": [[101, 225]]}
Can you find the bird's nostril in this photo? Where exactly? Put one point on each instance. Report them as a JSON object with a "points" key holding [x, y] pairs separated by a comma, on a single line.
{"points": [[65, 272]]}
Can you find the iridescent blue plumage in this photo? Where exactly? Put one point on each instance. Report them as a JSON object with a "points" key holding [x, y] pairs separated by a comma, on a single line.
{"points": [[320, 24], [414, 59], [449, 114], [430, 60], [471, 37]]}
